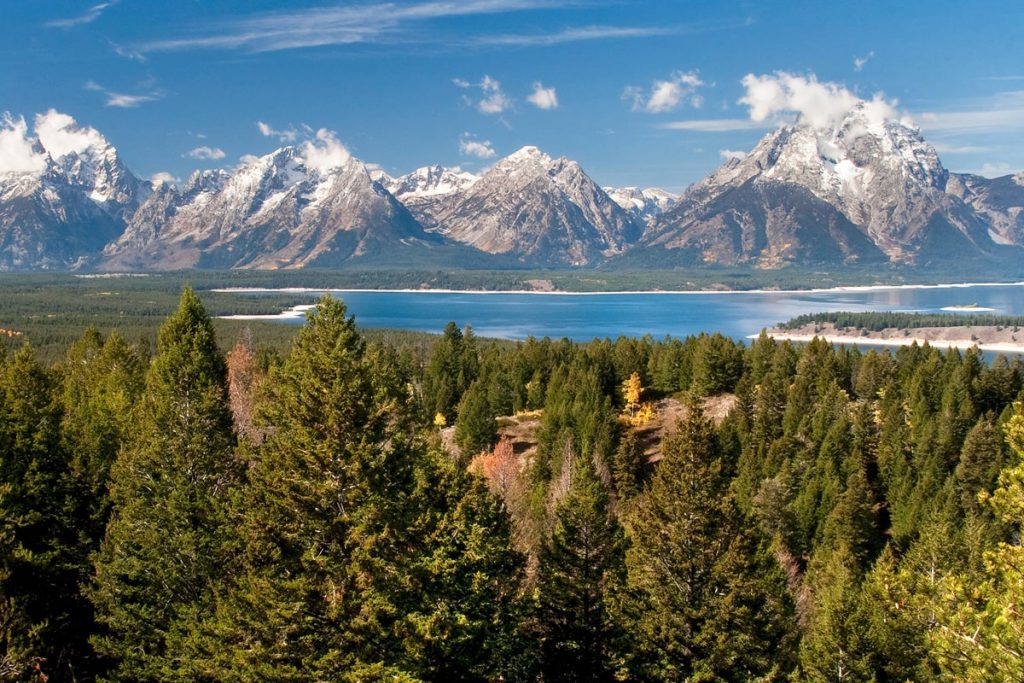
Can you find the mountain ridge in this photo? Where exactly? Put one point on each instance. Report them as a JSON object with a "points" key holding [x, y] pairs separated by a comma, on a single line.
{"points": [[866, 190]]}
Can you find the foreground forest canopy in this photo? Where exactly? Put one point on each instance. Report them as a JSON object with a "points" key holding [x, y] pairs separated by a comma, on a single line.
{"points": [[352, 510]]}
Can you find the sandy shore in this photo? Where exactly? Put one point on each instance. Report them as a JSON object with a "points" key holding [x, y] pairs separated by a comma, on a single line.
{"points": [[543, 292], [987, 338]]}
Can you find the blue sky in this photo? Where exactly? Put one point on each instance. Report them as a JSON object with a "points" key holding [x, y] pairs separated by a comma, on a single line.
{"points": [[641, 93]]}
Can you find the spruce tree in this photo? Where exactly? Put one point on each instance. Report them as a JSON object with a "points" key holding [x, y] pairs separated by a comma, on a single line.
{"points": [[167, 536], [703, 601], [43, 620], [363, 558], [579, 565]]}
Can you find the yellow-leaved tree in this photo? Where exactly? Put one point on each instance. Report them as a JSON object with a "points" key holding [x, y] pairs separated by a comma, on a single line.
{"points": [[632, 389]]}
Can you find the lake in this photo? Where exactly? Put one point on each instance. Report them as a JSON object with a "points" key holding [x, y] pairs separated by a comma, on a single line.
{"points": [[583, 317]]}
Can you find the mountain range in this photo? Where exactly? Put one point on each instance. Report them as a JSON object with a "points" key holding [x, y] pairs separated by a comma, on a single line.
{"points": [[867, 190]]}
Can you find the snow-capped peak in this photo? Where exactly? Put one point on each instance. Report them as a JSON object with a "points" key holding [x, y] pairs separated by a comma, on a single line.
{"points": [[643, 204], [431, 181], [527, 154]]}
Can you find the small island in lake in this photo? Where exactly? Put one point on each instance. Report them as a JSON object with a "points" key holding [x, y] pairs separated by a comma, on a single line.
{"points": [[1003, 334]]}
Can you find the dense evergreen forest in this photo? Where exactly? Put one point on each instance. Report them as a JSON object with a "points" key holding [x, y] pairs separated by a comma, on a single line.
{"points": [[351, 510], [876, 321]]}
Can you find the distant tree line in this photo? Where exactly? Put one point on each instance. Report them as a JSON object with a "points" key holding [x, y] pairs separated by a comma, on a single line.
{"points": [[295, 516], [884, 320]]}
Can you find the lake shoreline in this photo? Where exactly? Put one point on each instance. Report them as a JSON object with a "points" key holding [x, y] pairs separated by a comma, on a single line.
{"points": [[534, 292], [994, 339]]}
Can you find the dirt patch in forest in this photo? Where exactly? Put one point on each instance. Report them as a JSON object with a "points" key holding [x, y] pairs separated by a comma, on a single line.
{"points": [[522, 429], [668, 412]]}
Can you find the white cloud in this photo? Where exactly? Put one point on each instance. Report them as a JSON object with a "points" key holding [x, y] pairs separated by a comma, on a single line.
{"points": [[573, 35], [947, 148], [286, 135], [860, 62], [128, 53], [380, 23], [1000, 113], [716, 125], [325, 152], [124, 100], [18, 153], [493, 99], [730, 154], [821, 105], [163, 178], [543, 98], [204, 152], [247, 159], [61, 135], [89, 16], [666, 95], [481, 149], [994, 170]]}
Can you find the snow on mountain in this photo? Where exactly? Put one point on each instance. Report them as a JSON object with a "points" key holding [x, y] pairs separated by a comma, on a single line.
{"points": [[309, 205], [803, 186], [999, 200], [64, 192], [431, 181], [537, 209], [643, 205]]}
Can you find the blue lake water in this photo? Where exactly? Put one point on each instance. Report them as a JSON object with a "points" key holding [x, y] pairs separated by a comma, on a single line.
{"points": [[517, 316]]}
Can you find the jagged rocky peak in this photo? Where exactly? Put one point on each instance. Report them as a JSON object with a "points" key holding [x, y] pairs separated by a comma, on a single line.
{"points": [[312, 204], [64, 192], [538, 209], [430, 181], [643, 204]]}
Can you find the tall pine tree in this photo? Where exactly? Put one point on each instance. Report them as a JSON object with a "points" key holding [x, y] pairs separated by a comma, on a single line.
{"points": [[168, 535], [704, 602], [579, 566]]}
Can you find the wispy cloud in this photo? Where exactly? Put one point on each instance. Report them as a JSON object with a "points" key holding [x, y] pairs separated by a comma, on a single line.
{"points": [[493, 99], [286, 135], [717, 125], [731, 154], [204, 152], [125, 100], [572, 35], [860, 62], [994, 170], [666, 95], [946, 148], [380, 22], [89, 16], [1002, 113]]}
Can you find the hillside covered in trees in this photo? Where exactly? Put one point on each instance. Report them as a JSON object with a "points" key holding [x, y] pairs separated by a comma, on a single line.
{"points": [[295, 516]]}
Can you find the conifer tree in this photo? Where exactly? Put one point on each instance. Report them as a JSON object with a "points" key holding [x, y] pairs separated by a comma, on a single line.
{"points": [[580, 564], [696, 573], [42, 620], [167, 537], [628, 467], [982, 631], [362, 559]]}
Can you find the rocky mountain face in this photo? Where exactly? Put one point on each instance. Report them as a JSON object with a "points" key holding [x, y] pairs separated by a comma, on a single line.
{"points": [[866, 190], [537, 209], [867, 187], [999, 200], [64, 194], [642, 205], [278, 211]]}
